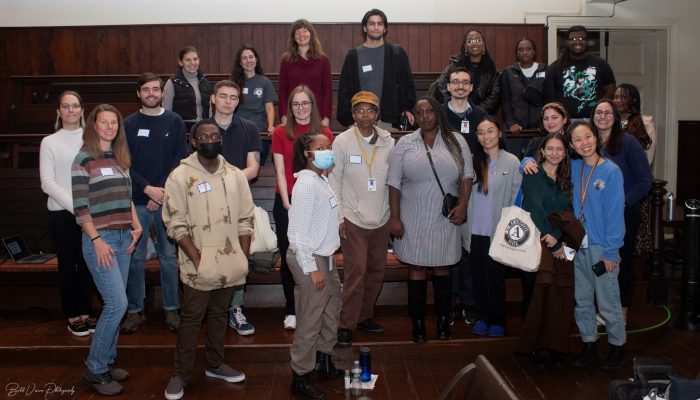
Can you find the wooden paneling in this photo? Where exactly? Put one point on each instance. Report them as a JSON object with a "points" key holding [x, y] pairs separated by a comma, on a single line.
{"points": [[119, 50], [688, 185]]}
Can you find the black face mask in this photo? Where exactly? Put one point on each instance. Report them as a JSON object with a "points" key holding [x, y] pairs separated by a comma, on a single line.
{"points": [[209, 150]]}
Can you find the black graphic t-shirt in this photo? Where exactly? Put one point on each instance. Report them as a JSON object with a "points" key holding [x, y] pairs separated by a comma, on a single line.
{"points": [[580, 86]]}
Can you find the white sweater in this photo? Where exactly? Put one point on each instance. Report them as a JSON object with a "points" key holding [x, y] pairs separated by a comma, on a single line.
{"points": [[55, 159]]}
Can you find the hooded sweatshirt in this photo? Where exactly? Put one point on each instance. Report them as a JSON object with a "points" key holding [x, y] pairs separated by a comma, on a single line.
{"points": [[214, 209]]}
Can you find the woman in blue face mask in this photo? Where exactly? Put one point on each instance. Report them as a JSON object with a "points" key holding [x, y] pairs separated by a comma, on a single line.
{"points": [[313, 238]]}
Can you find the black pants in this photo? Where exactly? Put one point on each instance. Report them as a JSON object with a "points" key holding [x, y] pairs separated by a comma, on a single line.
{"points": [[487, 282], [75, 281], [633, 219], [281, 217]]}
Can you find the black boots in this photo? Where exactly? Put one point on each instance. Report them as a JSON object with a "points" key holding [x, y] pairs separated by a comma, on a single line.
{"points": [[442, 286], [587, 356], [302, 387], [416, 307], [325, 368], [615, 358]]}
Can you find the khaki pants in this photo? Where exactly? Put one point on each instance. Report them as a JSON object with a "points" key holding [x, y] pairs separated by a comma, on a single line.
{"points": [[364, 264], [318, 313]]}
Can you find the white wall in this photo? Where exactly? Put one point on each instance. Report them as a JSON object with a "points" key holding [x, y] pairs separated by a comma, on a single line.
{"points": [[126, 12]]}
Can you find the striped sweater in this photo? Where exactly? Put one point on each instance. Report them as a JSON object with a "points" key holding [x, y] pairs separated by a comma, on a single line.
{"points": [[101, 191]]}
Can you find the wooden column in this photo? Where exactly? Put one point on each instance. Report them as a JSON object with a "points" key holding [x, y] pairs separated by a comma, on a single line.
{"points": [[658, 287]]}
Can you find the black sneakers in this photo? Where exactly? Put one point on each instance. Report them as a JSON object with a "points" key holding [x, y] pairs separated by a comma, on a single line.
{"points": [[103, 383], [615, 358]]}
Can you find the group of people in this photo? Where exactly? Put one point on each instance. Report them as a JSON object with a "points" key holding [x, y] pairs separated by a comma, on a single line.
{"points": [[115, 183]]}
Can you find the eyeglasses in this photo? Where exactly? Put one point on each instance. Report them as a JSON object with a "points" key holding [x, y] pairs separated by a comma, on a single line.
{"points": [[209, 138], [365, 111], [425, 112], [490, 131], [473, 41], [603, 114], [456, 82], [303, 104], [577, 39], [71, 107]]}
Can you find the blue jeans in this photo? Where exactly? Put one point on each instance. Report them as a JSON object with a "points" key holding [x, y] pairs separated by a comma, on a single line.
{"points": [[169, 279], [606, 292], [110, 282]]}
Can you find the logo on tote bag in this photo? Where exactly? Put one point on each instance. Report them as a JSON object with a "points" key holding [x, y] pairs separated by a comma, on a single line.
{"points": [[517, 232]]}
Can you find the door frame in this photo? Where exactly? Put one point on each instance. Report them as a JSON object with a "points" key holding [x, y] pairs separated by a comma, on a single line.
{"points": [[668, 170]]}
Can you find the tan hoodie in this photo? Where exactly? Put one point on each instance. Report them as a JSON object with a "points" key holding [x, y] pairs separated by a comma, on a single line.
{"points": [[214, 209]]}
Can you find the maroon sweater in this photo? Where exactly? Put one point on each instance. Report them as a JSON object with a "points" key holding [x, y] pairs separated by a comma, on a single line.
{"points": [[314, 73]]}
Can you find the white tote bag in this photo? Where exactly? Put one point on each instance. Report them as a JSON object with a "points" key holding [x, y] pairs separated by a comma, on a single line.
{"points": [[517, 240], [264, 239]]}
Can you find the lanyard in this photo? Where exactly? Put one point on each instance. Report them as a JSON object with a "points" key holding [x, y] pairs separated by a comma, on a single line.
{"points": [[370, 160], [584, 189]]}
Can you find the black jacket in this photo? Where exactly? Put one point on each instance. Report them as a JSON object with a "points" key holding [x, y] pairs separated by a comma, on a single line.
{"points": [[522, 97], [398, 89], [184, 100], [486, 93]]}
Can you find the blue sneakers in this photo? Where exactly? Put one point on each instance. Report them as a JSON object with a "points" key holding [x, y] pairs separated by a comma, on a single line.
{"points": [[238, 321], [496, 331], [480, 328]]}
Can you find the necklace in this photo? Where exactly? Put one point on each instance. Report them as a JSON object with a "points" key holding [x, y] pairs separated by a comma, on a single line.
{"points": [[584, 189]]}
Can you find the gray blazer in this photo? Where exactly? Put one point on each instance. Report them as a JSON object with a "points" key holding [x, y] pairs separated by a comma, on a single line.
{"points": [[503, 196]]}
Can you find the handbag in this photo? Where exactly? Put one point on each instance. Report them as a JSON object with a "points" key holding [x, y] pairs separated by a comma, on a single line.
{"points": [[449, 201], [517, 240]]}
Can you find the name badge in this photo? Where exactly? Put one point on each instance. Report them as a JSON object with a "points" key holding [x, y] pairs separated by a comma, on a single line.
{"points": [[144, 132], [355, 159], [584, 242], [367, 68], [540, 74], [333, 201], [204, 187], [107, 171], [245, 90], [464, 128], [371, 185]]}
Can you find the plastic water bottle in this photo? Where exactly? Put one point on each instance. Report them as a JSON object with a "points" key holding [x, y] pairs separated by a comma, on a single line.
{"points": [[356, 385], [670, 205], [366, 364]]}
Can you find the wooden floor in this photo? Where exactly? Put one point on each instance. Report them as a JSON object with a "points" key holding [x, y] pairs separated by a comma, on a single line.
{"points": [[38, 355]]}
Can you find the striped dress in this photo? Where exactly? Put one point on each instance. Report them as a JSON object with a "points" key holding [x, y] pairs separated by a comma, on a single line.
{"points": [[101, 191], [429, 239]]}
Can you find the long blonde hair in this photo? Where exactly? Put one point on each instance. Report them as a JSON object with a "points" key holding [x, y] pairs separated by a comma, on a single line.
{"points": [[315, 47], [91, 140]]}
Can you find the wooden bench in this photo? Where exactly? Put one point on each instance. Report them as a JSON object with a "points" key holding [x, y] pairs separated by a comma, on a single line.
{"points": [[34, 98]]}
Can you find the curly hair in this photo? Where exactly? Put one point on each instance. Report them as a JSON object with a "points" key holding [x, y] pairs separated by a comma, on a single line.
{"points": [[301, 146], [237, 73], [635, 126]]}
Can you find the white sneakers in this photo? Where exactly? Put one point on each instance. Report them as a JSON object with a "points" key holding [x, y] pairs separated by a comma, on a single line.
{"points": [[290, 322]]}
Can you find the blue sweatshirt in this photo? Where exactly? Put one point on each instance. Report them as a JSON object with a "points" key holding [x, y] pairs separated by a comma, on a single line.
{"points": [[603, 207], [157, 144], [632, 161]]}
